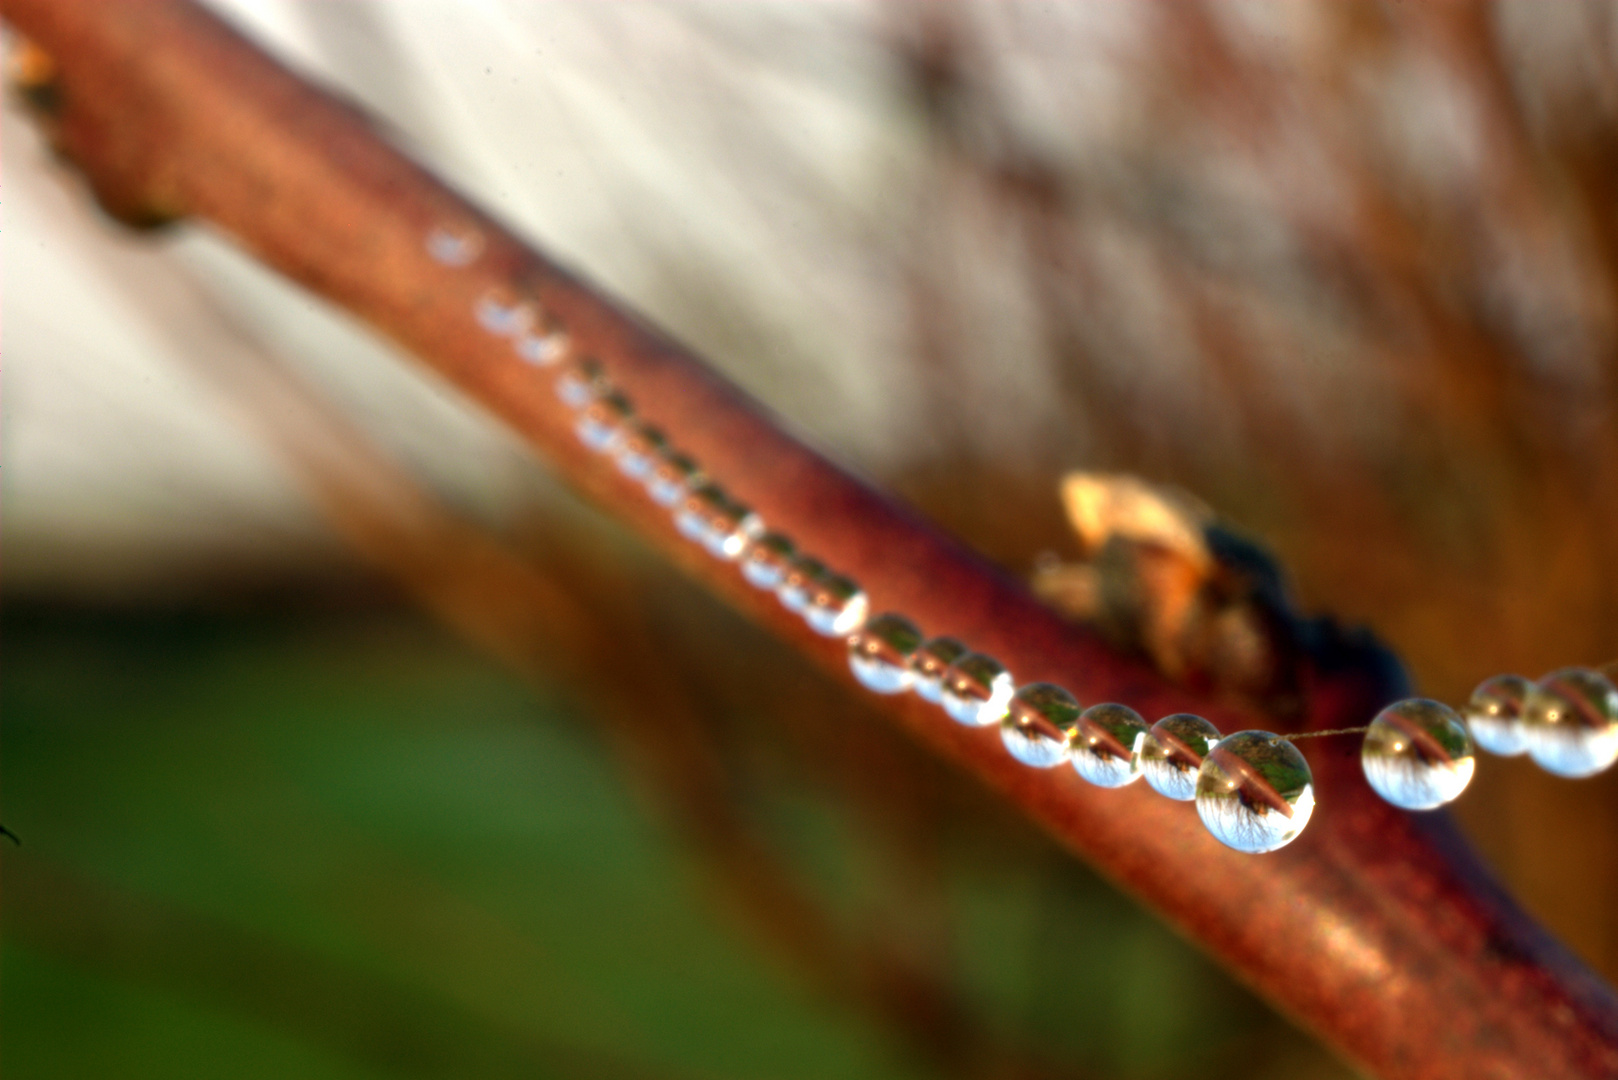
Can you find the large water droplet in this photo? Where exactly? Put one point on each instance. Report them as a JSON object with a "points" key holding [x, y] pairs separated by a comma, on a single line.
{"points": [[716, 521], [1105, 744], [800, 577], [1497, 714], [766, 561], [543, 347], [1255, 791], [1036, 725], [503, 312], [880, 651], [977, 690], [602, 422], [454, 245], [837, 606], [930, 663], [672, 476], [580, 383], [639, 449], [1573, 722], [1172, 752], [691, 519], [1417, 754]]}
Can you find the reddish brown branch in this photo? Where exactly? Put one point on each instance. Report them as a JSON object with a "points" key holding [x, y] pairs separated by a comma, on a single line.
{"points": [[1375, 929]]}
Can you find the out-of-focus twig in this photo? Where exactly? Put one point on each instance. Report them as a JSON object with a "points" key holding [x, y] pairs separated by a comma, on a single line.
{"points": [[583, 622], [1375, 929]]}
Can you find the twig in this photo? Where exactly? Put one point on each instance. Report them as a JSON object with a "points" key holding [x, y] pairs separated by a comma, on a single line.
{"points": [[1376, 929]]}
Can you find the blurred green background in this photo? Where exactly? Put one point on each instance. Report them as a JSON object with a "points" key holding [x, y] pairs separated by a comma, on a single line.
{"points": [[342, 845]]}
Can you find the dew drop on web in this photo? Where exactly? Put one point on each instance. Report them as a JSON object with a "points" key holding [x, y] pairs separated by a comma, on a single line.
{"points": [[638, 450], [672, 475], [836, 606], [454, 246], [1255, 792], [930, 663], [1037, 723], [601, 425], [1573, 722], [977, 690], [766, 560], [1172, 752], [542, 348], [799, 578], [1105, 744], [719, 523], [879, 653], [504, 313], [1417, 754], [1497, 715], [580, 383]]}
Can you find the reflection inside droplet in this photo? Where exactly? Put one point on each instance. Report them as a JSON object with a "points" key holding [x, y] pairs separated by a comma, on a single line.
{"points": [[930, 663], [1037, 723], [1105, 744], [580, 383], [672, 476], [503, 312], [716, 521], [837, 606], [602, 422], [731, 530], [1497, 715], [454, 245], [800, 577], [1255, 792], [542, 348], [1572, 727], [1172, 752], [977, 690], [879, 653], [1417, 754], [639, 449], [765, 563]]}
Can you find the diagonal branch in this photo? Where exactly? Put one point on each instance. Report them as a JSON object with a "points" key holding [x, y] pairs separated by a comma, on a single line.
{"points": [[1376, 929]]}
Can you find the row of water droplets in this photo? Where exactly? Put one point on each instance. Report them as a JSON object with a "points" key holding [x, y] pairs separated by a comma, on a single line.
{"points": [[1253, 790]]}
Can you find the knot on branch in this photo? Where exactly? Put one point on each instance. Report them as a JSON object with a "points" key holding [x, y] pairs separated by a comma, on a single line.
{"points": [[115, 159], [1159, 574]]}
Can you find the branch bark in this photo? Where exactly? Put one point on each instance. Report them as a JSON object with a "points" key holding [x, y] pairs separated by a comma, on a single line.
{"points": [[1377, 929]]}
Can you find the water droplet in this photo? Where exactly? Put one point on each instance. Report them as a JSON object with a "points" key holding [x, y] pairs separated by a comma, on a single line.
{"points": [[1417, 754], [602, 423], [1497, 714], [731, 533], [1255, 792], [672, 476], [977, 690], [836, 606], [1573, 722], [454, 246], [716, 521], [1037, 723], [930, 663], [1172, 752], [638, 449], [765, 563], [879, 653], [503, 312], [542, 348], [580, 383], [800, 577], [1105, 744]]}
